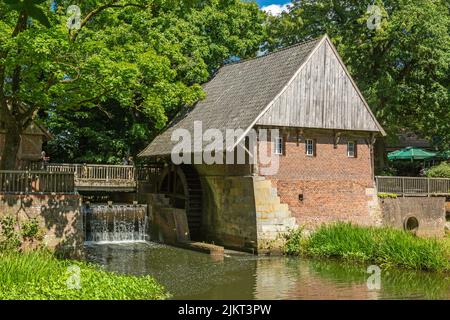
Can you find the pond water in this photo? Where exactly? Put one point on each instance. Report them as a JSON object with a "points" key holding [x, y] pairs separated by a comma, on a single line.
{"points": [[192, 275]]}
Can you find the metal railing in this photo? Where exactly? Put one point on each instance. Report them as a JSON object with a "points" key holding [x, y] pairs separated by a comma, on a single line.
{"points": [[39, 182], [413, 185]]}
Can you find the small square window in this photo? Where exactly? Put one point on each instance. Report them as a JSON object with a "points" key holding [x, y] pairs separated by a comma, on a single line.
{"points": [[278, 146], [309, 144], [351, 149]]}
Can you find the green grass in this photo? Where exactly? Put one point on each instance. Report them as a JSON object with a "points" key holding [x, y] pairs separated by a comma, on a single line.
{"points": [[39, 275], [385, 247]]}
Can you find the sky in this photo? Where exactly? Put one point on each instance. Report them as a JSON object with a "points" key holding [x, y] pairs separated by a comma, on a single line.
{"points": [[275, 7]]}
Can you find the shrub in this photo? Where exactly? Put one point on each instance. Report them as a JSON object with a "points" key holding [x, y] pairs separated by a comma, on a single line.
{"points": [[387, 171], [9, 238], [39, 275], [294, 242], [386, 247], [387, 195], [15, 237], [439, 171], [30, 230]]}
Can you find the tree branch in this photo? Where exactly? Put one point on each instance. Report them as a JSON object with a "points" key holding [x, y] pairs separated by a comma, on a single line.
{"points": [[21, 24], [90, 15], [27, 116]]}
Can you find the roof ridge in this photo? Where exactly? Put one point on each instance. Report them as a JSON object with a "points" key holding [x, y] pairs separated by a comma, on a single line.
{"points": [[273, 52]]}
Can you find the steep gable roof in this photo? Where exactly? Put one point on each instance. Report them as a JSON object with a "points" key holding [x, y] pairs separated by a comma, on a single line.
{"points": [[322, 95], [239, 94]]}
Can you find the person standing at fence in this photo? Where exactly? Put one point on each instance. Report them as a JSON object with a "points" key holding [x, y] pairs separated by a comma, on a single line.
{"points": [[130, 161], [44, 160], [130, 170]]}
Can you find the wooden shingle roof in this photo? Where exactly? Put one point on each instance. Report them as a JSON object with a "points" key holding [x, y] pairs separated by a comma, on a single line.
{"points": [[238, 95]]}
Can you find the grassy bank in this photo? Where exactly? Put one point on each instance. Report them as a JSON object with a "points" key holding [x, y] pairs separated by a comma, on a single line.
{"points": [[385, 247], [39, 275]]}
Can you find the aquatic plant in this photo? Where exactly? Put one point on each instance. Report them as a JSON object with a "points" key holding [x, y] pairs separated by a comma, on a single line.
{"points": [[386, 247], [39, 275]]}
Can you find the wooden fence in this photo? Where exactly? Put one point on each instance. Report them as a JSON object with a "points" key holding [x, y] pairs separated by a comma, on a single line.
{"points": [[413, 186], [94, 171], [66, 178], [39, 182]]}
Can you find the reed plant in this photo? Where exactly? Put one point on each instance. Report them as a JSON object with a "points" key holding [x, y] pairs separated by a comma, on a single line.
{"points": [[386, 247]]}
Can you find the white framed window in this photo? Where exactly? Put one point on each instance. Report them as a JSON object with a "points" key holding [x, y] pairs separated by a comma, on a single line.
{"points": [[278, 146], [351, 149], [309, 147]]}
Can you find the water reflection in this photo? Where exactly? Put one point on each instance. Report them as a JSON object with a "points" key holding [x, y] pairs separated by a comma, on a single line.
{"points": [[192, 275]]}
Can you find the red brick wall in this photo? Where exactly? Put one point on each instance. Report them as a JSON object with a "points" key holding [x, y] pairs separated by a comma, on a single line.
{"points": [[59, 217], [333, 185]]}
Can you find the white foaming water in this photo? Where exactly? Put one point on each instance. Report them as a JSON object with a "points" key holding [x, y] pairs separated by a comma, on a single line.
{"points": [[115, 223]]}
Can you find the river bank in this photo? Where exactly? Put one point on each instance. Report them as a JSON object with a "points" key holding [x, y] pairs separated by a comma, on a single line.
{"points": [[385, 247], [38, 275]]}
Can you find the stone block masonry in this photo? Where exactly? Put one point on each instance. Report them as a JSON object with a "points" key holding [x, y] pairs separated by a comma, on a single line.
{"points": [[429, 212], [58, 215], [273, 218], [229, 212]]}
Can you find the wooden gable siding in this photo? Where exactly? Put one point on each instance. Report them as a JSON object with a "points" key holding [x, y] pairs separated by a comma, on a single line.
{"points": [[322, 95], [30, 146]]}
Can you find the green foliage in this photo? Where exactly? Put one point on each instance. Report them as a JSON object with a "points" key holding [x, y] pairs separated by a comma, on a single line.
{"points": [[440, 171], [402, 67], [38, 275], [31, 8], [13, 235], [294, 242], [9, 237], [385, 247], [30, 230], [387, 195], [387, 171], [137, 63]]}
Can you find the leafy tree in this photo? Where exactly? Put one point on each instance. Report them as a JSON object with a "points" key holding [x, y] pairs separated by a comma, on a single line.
{"points": [[147, 57], [401, 64], [99, 134]]}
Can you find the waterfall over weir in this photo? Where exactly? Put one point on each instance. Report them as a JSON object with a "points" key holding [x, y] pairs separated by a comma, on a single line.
{"points": [[115, 223]]}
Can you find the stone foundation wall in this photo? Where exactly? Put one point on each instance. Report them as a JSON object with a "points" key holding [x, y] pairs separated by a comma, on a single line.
{"points": [[429, 212], [167, 224], [59, 216], [229, 213], [273, 218]]}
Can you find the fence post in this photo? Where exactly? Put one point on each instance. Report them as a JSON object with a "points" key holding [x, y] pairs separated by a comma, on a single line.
{"points": [[403, 186], [428, 187]]}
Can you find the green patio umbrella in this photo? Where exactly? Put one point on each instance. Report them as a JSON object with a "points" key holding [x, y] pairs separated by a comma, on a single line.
{"points": [[444, 155], [411, 153]]}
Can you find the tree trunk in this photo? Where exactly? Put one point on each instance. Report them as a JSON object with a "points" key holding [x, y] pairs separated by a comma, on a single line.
{"points": [[380, 154], [10, 149]]}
